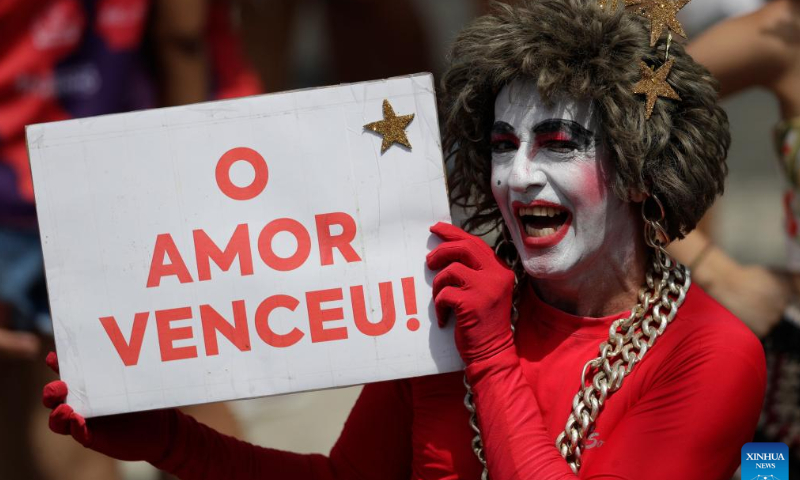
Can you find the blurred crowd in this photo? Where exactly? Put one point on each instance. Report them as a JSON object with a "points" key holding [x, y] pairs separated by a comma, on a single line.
{"points": [[62, 59]]}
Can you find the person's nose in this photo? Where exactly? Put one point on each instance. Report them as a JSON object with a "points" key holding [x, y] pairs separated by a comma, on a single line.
{"points": [[526, 172]]}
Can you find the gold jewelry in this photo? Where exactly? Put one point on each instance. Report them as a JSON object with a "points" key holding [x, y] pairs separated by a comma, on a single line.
{"points": [[477, 441], [629, 338]]}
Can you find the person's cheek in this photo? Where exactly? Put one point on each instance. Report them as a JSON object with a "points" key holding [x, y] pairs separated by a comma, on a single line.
{"points": [[500, 190], [592, 204], [499, 181], [592, 183]]}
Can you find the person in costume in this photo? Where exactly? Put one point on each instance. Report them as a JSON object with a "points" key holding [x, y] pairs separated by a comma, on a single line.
{"points": [[760, 50], [590, 139]]}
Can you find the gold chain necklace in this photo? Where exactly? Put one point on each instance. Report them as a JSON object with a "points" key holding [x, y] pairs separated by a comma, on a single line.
{"points": [[629, 339]]}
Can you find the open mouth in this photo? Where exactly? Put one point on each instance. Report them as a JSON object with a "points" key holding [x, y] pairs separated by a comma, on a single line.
{"points": [[542, 223]]}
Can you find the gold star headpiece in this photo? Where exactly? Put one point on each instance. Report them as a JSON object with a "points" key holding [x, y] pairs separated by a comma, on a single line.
{"points": [[662, 15]]}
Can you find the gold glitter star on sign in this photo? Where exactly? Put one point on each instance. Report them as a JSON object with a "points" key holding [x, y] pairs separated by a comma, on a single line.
{"points": [[661, 14], [654, 84], [392, 127]]}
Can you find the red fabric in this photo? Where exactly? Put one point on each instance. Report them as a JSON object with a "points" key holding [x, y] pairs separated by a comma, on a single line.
{"points": [[476, 286], [61, 59], [36, 36], [684, 412], [133, 436]]}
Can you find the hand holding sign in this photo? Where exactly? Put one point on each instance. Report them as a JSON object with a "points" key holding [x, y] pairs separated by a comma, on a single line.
{"points": [[476, 286], [129, 436]]}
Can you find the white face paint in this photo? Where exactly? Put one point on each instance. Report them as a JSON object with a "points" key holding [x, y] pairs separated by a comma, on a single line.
{"points": [[550, 179]]}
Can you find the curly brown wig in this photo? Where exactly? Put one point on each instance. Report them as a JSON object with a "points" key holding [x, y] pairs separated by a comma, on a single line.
{"points": [[575, 48]]}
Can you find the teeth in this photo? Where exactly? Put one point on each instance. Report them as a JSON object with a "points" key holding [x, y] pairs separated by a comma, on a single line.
{"points": [[539, 211], [539, 232]]}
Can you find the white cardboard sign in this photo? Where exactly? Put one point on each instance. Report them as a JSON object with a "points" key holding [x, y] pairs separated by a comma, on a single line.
{"points": [[242, 248]]}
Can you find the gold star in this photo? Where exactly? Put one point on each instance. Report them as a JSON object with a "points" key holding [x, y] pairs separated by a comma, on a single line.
{"points": [[654, 84], [392, 127], [661, 14]]}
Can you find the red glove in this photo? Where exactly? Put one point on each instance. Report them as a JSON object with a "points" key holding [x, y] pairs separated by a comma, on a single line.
{"points": [[477, 286], [131, 436]]}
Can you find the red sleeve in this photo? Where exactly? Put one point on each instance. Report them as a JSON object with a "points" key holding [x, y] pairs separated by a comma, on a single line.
{"points": [[376, 440], [691, 424], [515, 439], [375, 444]]}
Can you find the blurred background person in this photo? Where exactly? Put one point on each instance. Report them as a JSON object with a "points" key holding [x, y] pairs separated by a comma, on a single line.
{"points": [[59, 60], [62, 59]]}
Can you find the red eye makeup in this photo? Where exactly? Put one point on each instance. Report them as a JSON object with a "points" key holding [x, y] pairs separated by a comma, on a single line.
{"points": [[558, 135], [543, 138], [563, 134], [503, 138]]}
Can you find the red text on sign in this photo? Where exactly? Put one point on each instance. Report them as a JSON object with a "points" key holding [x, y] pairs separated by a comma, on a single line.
{"points": [[167, 260], [329, 317]]}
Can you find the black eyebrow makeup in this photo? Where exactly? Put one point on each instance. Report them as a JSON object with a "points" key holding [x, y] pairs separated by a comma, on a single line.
{"points": [[501, 127], [577, 133]]}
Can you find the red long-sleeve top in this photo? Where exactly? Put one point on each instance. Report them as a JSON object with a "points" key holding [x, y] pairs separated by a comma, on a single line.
{"points": [[683, 413]]}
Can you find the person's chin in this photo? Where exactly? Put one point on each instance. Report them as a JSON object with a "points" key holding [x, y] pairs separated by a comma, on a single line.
{"points": [[544, 268]]}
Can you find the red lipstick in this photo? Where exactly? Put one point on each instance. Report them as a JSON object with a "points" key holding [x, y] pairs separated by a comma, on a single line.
{"points": [[547, 240]]}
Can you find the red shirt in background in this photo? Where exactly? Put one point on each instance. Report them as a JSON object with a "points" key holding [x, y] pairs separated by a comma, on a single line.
{"points": [[62, 59]]}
